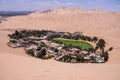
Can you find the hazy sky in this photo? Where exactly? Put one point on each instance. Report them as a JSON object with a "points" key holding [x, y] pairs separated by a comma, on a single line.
{"points": [[31, 5]]}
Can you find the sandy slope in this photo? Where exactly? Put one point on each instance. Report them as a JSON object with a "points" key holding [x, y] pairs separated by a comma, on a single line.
{"points": [[16, 65], [26, 68]]}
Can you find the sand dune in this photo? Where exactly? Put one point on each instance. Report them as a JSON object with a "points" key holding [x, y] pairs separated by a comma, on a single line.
{"points": [[17, 65], [26, 68]]}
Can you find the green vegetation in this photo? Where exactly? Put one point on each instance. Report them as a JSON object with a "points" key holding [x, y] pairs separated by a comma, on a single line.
{"points": [[105, 55], [47, 56], [95, 38], [82, 45], [27, 33], [101, 44], [30, 52], [13, 41], [37, 43], [41, 53], [110, 49]]}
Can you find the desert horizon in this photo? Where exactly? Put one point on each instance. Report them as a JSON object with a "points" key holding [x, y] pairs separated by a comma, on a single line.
{"points": [[17, 65]]}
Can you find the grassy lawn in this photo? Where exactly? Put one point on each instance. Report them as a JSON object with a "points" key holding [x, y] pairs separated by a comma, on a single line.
{"points": [[82, 45]]}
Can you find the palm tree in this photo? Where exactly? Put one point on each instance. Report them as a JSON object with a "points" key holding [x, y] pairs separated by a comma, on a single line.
{"points": [[95, 38], [101, 44]]}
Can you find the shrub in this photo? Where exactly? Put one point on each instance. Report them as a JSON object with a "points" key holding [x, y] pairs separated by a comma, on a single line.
{"points": [[76, 35], [100, 44], [17, 32], [42, 44], [41, 53], [91, 50], [47, 56], [88, 38], [36, 33], [16, 35], [105, 55], [39, 48], [95, 38], [50, 37], [33, 42], [110, 49], [93, 59], [79, 57], [13, 41], [30, 52]]}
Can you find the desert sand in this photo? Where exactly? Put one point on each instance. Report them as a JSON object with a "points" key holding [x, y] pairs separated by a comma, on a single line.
{"points": [[16, 65]]}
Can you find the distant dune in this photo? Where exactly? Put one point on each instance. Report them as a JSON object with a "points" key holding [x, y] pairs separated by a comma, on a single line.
{"points": [[94, 23]]}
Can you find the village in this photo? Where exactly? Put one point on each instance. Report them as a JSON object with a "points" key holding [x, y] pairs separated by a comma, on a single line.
{"points": [[42, 44]]}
